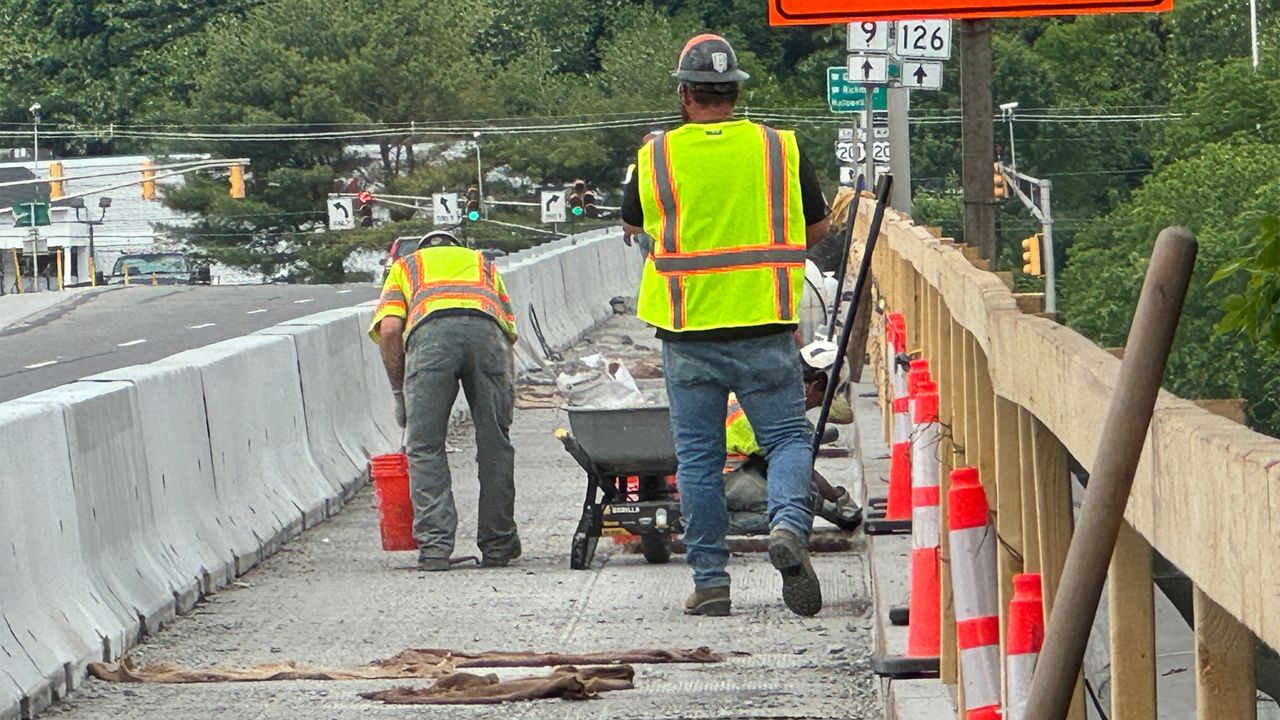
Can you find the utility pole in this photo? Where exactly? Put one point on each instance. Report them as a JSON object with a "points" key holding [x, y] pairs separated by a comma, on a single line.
{"points": [[900, 147], [1041, 207], [480, 176], [977, 135], [868, 138]]}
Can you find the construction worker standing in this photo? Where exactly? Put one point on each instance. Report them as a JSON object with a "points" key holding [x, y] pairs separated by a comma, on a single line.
{"points": [[731, 207], [445, 317]]}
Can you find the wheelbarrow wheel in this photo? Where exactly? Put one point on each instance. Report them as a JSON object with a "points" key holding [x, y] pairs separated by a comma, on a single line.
{"points": [[656, 548]]}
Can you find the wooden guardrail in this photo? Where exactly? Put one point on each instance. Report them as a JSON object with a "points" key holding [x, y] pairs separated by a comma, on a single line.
{"points": [[1018, 393]]}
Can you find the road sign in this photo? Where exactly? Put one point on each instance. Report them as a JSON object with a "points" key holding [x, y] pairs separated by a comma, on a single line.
{"points": [[921, 75], [869, 69], [847, 152], [927, 39], [341, 213], [35, 246], [848, 175], [845, 134], [445, 209], [847, 97], [22, 213], [830, 12], [868, 37], [553, 205]]}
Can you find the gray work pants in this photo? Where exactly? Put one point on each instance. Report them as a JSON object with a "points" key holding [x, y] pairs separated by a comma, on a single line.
{"points": [[441, 353]]}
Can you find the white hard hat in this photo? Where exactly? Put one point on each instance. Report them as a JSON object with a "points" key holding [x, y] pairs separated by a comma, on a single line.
{"points": [[821, 355]]}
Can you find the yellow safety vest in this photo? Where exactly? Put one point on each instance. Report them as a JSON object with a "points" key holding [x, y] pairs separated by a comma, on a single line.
{"points": [[739, 437], [722, 203], [443, 278]]}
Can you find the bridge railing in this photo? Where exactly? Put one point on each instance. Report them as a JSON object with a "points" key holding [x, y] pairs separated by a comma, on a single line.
{"points": [[1018, 392]]}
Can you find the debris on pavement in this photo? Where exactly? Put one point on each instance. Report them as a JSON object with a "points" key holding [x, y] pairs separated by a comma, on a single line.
{"points": [[411, 663], [568, 682]]}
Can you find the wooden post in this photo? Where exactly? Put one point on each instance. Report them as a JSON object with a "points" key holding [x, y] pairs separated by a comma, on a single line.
{"points": [[947, 375], [984, 405], [1131, 615], [1224, 663], [1055, 515], [907, 302], [1008, 483], [959, 424], [17, 269], [1030, 519]]}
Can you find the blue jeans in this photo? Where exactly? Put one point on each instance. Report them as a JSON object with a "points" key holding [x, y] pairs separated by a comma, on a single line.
{"points": [[765, 374]]}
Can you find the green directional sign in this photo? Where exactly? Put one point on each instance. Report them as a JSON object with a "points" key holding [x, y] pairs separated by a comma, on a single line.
{"points": [[23, 212], [847, 97]]}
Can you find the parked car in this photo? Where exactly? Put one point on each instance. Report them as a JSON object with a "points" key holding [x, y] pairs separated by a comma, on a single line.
{"points": [[159, 268]]}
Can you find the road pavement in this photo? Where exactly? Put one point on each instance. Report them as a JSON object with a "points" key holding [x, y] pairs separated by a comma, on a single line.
{"points": [[112, 328], [334, 598]]}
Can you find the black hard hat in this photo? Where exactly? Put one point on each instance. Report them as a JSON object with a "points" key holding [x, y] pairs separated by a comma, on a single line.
{"points": [[708, 59]]}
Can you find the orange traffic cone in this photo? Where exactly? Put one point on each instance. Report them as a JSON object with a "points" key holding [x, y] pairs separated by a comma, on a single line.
{"points": [[974, 585], [1023, 640]]}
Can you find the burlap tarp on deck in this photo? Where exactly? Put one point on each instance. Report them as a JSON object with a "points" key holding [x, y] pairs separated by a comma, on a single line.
{"points": [[411, 663]]}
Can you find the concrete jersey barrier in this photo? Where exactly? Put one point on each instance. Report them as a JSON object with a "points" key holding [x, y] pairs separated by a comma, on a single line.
{"points": [[149, 487]]}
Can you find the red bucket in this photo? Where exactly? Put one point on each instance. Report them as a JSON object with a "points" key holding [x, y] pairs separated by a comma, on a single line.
{"points": [[390, 475]]}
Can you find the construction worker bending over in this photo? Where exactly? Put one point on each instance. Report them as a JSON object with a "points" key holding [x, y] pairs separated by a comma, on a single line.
{"points": [[444, 318], [731, 207], [746, 485]]}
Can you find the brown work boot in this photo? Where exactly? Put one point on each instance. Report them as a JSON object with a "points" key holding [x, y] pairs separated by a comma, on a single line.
{"points": [[709, 601], [433, 564], [800, 589], [492, 561]]}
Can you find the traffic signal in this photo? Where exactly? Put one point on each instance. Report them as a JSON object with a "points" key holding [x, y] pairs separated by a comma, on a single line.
{"points": [[364, 208], [1000, 191], [1031, 255], [57, 186], [577, 198], [473, 203], [148, 181], [237, 181], [589, 205]]}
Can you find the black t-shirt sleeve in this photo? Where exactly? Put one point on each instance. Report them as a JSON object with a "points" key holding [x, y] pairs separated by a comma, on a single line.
{"points": [[632, 212], [815, 205]]}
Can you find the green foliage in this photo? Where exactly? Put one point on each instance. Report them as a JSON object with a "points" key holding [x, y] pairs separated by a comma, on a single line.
{"points": [[1254, 312]]}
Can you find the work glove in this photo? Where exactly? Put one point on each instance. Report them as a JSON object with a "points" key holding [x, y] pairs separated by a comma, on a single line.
{"points": [[401, 418]]}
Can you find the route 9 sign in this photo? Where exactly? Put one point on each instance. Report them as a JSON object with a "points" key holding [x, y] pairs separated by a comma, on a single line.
{"points": [[924, 39]]}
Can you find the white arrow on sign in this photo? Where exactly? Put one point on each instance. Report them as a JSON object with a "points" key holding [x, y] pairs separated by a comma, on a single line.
{"points": [[869, 69], [920, 75], [929, 39], [868, 37], [341, 213], [445, 209], [553, 206]]}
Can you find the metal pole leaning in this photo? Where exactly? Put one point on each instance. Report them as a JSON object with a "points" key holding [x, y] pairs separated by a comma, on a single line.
{"points": [[1111, 477], [859, 287]]}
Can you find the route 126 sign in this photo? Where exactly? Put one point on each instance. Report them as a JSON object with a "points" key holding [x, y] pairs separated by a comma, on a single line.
{"points": [[830, 12]]}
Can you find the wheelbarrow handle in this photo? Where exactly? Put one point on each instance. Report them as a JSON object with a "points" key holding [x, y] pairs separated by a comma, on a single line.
{"points": [[576, 452]]}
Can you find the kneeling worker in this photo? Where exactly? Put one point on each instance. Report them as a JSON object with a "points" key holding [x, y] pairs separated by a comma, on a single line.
{"points": [[445, 317], [746, 485]]}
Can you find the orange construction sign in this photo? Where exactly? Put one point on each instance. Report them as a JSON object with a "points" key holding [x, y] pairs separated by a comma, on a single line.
{"points": [[830, 12]]}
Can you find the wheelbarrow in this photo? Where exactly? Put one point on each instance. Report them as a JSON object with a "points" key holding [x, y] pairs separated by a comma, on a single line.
{"points": [[619, 448]]}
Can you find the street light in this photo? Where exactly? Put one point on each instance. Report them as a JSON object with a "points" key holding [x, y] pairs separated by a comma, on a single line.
{"points": [[78, 204], [1006, 113], [479, 170], [35, 188]]}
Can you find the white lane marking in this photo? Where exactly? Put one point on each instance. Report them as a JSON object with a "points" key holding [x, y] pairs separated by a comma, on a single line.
{"points": [[46, 363], [200, 327], [255, 312], [131, 343], [343, 292], [299, 302]]}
